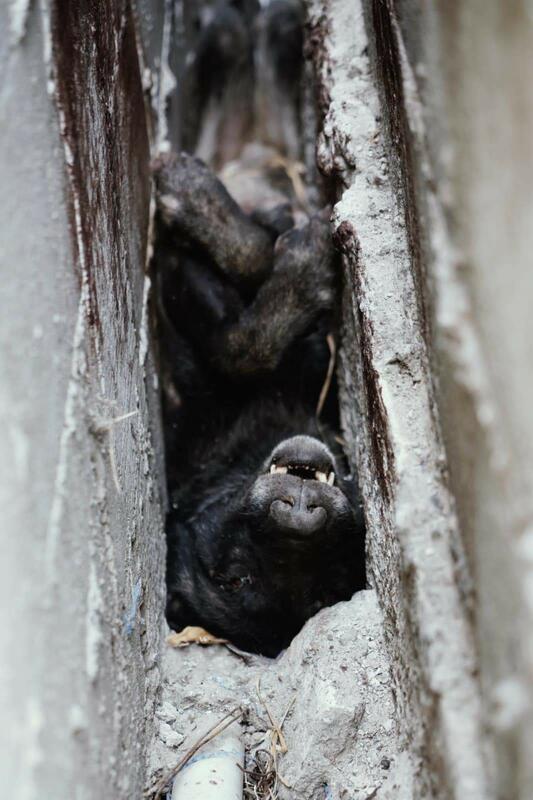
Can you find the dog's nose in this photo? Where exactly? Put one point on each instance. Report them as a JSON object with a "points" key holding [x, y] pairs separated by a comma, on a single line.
{"points": [[299, 517]]}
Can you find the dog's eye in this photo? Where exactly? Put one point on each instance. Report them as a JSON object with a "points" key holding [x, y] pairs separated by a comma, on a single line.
{"points": [[239, 582], [234, 583]]}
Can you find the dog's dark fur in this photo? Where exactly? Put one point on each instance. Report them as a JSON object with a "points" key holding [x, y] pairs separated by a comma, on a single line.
{"points": [[258, 540]]}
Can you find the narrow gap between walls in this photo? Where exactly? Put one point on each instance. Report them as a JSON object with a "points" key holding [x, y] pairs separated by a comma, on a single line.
{"points": [[265, 530]]}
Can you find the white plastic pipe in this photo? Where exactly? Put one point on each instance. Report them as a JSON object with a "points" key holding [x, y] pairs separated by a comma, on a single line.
{"points": [[214, 773]]}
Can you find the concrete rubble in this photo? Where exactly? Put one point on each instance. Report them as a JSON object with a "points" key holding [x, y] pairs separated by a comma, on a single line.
{"points": [[341, 730]]}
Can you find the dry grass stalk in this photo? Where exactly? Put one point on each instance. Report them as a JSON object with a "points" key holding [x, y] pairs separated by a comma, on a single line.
{"points": [[261, 781], [329, 375], [156, 792]]}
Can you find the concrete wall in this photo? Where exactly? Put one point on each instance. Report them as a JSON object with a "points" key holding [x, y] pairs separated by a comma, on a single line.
{"points": [[454, 81], [427, 128], [391, 423], [427, 116], [467, 69], [81, 542]]}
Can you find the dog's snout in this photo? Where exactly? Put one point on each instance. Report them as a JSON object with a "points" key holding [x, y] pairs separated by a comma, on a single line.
{"points": [[299, 517]]}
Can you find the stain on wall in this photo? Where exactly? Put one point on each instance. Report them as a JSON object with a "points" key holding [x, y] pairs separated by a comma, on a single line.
{"points": [[82, 545]]}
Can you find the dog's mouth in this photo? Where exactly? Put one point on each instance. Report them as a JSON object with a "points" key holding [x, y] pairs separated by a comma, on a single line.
{"points": [[307, 472], [303, 457]]}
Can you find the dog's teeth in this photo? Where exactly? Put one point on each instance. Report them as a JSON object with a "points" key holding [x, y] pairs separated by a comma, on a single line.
{"points": [[272, 469], [321, 476], [282, 470], [331, 478]]}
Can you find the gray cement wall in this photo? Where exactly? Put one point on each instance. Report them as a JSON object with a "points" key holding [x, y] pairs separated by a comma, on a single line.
{"points": [[465, 72], [426, 120], [391, 425], [427, 129], [82, 549]]}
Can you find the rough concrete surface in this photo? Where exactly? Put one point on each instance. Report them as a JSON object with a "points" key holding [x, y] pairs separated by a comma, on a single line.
{"points": [[434, 219], [465, 74], [340, 730], [82, 547], [414, 553]]}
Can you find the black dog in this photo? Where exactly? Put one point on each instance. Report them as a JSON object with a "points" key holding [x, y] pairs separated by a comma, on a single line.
{"points": [[264, 529]]}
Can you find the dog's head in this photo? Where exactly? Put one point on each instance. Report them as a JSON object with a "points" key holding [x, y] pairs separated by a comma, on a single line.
{"points": [[270, 549], [296, 501]]}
